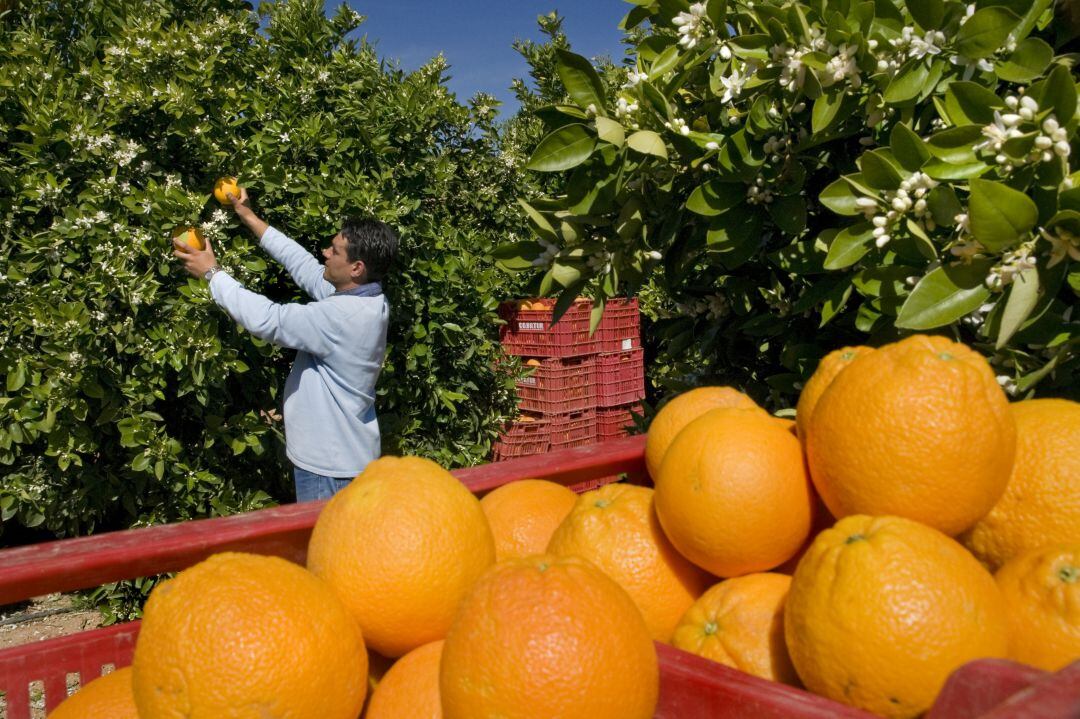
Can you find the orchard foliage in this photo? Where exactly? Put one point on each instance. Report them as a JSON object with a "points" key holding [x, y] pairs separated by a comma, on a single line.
{"points": [[129, 397], [780, 178]]}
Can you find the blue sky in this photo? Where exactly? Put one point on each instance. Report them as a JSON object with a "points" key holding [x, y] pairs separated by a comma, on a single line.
{"points": [[476, 36]]}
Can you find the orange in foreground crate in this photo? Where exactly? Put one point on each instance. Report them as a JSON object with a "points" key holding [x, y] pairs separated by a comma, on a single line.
{"points": [[690, 687]]}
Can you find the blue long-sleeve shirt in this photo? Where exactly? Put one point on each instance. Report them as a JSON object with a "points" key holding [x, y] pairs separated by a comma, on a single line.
{"points": [[330, 423]]}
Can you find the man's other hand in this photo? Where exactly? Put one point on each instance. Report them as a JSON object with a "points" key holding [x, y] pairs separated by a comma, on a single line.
{"points": [[196, 262]]}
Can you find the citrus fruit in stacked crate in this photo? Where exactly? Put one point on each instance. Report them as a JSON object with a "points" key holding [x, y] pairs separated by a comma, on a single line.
{"points": [[557, 398]]}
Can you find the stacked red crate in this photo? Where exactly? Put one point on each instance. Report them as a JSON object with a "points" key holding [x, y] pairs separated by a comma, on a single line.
{"points": [[579, 385]]}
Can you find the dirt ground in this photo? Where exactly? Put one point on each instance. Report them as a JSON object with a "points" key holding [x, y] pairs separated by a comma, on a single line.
{"points": [[53, 615]]}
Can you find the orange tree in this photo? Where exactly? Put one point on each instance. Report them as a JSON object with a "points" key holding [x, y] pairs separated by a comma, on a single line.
{"points": [[778, 179], [129, 398]]}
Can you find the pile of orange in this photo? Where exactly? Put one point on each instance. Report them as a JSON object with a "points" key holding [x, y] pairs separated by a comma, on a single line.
{"points": [[852, 552]]}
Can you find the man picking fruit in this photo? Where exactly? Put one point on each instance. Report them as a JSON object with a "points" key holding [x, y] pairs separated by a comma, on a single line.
{"points": [[331, 431]]}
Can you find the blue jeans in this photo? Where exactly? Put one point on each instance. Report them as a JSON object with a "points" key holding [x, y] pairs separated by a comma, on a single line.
{"points": [[311, 486]]}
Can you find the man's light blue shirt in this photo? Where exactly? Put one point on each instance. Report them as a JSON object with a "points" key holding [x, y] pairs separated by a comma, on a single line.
{"points": [[330, 423]]}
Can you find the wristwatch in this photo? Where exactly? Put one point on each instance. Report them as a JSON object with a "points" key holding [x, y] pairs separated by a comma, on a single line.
{"points": [[208, 275]]}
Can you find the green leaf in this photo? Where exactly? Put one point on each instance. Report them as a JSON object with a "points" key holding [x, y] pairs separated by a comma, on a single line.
{"points": [[596, 315], [516, 256], [944, 205], [565, 274], [648, 142], [971, 103], [942, 170], [666, 61], [714, 197], [908, 82], [840, 198], [945, 295], [567, 147], [538, 222], [580, 79], [985, 31], [826, 110], [928, 13], [999, 215], [1027, 62], [789, 214], [610, 131], [849, 246], [908, 148], [1023, 296], [878, 172], [716, 10], [16, 377], [956, 145], [1059, 91]]}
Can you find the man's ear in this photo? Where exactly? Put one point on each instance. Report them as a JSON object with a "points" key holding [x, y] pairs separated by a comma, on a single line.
{"points": [[358, 271]]}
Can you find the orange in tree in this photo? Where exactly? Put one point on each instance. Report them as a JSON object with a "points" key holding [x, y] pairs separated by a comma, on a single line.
{"points": [[224, 187], [920, 429], [1042, 592], [401, 545], [107, 697], [732, 494], [1041, 504], [191, 236], [740, 622], [830, 366], [243, 635], [524, 514], [546, 637], [882, 609], [680, 411], [410, 690], [616, 529]]}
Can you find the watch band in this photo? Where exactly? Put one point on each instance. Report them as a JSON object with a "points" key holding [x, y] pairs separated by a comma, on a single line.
{"points": [[209, 274]]}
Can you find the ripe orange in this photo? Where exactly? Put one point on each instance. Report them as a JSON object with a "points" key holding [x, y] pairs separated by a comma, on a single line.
{"points": [[191, 236], [882, 609], [548, 637], [225, 186], [830, 366], [524, 514], [615, 528], [411, 688], [1041, 504], [533, 363], [1042, 592], [246, 635], [919, 429], [107, 697], [740, 622], [732, 494], [401, 545], [679, 412]]}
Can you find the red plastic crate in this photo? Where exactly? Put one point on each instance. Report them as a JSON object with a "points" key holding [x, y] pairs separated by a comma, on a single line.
{"points": [[529, 333], [614, 422], [690, 687], [558, 386], [522, 438], [620, 327], [620, 378], [573, 429]]}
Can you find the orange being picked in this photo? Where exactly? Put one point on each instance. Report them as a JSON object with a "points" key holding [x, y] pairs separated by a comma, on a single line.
{"points": [[524, 514], [546, 637], [191, 236], [107, 697], [1042, 592], [882, 609], [242, 631], [732, 494], [680, 411], [401, 545], [615, 528], [919, 429], [411, 688], [224, 187], [740, 622], [830, 366], [1041, 504]]}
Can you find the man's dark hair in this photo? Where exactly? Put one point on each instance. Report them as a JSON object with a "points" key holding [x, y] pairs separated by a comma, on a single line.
{"points": [[371, 242]]}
